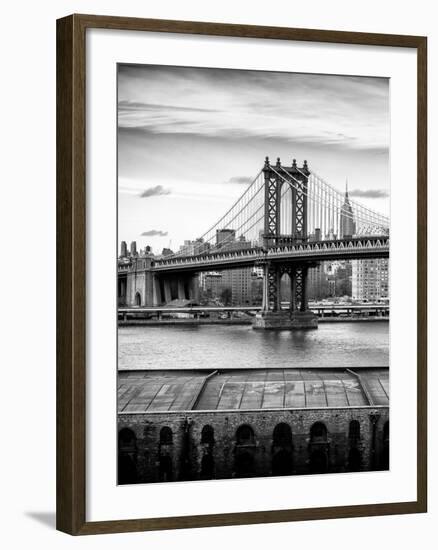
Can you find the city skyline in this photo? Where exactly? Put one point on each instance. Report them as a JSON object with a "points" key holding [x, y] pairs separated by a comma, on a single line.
{"points": [[190, 140], [259, 345]]}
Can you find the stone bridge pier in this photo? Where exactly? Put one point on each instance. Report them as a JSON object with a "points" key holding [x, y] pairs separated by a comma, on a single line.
{"points": [[298, 316], [139, 285]]}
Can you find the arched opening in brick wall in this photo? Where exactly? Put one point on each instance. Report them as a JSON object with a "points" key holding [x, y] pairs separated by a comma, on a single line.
{"points": [[244, 464], [318, 433], [385, 447], [245, 435], [354, 431], [282, 435], [138, 299], [207, 435], [318, 449], [282, 463], [166, 436], [207, 466], [318, 463], [127, 457], [354, 460], [166, 470]]}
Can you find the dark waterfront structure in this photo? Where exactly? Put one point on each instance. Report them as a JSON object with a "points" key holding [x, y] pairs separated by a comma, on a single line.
{"points": [[191, 425]]}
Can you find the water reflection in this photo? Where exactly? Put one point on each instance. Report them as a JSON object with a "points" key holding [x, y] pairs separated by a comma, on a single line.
{"points": [[221, 347]]}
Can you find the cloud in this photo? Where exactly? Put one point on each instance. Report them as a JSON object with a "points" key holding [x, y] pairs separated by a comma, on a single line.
{"points": [[369, 193], [139, 106], [325, 110], [155, 191], [154, 233], [242, 180]]}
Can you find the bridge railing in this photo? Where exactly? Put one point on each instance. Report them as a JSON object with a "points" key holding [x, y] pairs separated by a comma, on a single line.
{"points": [[342, 246]]}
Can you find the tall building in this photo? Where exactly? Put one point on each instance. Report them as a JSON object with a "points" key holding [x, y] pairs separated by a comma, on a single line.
{"points": [[211, 284], [238, 281], [234, 286], [123, 250], [347, 225], [134, 248], [370, 279], [191, 248], [224, 237], [329, 280], [317, 282]]}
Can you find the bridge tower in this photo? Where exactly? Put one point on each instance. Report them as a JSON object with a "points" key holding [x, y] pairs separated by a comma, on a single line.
{"points": [[298, 315]]}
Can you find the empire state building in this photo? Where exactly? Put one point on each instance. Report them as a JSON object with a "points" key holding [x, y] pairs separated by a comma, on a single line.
{"points": [[347, 224]]}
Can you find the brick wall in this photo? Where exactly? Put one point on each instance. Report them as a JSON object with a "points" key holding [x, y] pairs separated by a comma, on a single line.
{"points": [[185, 456]]}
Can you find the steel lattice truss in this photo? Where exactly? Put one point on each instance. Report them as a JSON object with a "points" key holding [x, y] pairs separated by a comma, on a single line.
{"points": [[285, 206], [298, 207], [299, 275], [273, 287], [271, 207]]}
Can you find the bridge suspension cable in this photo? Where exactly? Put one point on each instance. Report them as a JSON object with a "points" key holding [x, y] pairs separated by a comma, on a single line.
{"points": [[242, 226], [327, 209], [251, 233], [235, 223], [360, 212]]}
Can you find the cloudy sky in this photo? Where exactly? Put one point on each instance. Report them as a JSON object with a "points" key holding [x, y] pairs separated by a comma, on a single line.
{"points": [[190, 140]]}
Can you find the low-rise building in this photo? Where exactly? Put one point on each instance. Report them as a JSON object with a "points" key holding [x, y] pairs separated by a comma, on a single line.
{"points": [[191, 425]]}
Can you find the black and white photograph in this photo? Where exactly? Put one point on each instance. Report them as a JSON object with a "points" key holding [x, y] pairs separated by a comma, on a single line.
{"points": [[221, 330], [253, 297]]}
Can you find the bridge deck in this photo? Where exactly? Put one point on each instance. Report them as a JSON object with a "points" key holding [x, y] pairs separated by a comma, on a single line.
{"points": [[159, 391], [347, 249]]}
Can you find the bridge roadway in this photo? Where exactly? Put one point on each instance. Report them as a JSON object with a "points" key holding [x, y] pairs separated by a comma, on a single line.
{"points": [[357, 248]]}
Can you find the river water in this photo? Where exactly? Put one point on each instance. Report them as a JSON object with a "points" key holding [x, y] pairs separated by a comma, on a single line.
{"points": [[226, 346]]}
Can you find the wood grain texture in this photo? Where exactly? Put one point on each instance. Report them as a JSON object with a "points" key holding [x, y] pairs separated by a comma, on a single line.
{"points": [[422, 275], [70, 386], [71, 270]]}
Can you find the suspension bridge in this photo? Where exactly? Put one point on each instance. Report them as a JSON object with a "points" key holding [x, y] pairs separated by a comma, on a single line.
{"points": [[287, 220]]}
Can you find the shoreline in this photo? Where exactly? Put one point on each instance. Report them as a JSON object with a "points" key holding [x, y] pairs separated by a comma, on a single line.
{"points": [[197, 322]]}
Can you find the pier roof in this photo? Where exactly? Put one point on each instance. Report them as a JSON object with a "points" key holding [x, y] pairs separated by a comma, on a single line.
{"points": [[141, 391]]}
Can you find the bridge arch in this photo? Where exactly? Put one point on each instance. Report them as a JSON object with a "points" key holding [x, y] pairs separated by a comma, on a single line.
{"points": [[285, 208], [285, 291]]}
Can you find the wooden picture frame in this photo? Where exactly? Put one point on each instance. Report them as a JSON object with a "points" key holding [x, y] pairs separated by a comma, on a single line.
{"points": [[71, 273]]}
